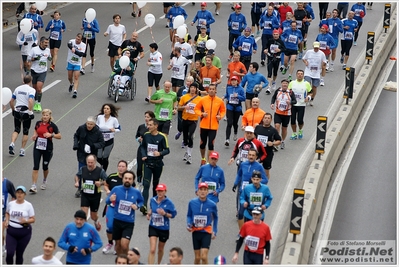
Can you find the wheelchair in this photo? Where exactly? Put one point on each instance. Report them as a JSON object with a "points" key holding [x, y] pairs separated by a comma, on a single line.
{"points": [[129, 90]]}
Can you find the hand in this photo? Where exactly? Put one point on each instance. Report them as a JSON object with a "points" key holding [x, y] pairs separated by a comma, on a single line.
{"points": [[235, 258], [32, 116], [112, 129], [192, 23], [234, 188], [98, 183], [213, 235], [218, 117], [83, 251], [174, 111], [88, 25], [112, 197], [72, 249], [204, 114], [134, 207], [265, 261], [272, 106], [269, 143], [5, 223], [245, 205], [77, 184], [230, 161], [75, 148]]}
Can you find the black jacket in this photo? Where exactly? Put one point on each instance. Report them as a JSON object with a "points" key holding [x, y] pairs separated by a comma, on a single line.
{"points": [[93, 138]]}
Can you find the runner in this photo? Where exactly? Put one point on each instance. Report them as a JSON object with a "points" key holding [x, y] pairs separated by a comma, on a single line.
{"points": [[80, 240], [141, 130], [268, 23], [327, 44], [204, 18], [183, 90], [153, 148], [360, 11], [91, 178], [202, 222], [26, 42], [7, 189], [134, 256], [35, 17], [187, 105], [236, 24], [292, 38], [247, 46], [56, 26], [114, 179], [45, 131], [209, 74], [270, 138], [200, 43], [215, 59], [174, 11], [74, 61], [178, 66], [211, 108], [256, 82], [21, 105], [213, 176], [257, 238], [256, 12], [47, 258], [236, 68], [38, 56], [274, 48], [154, 74], [252, 116], [350, 26], [135, 47], [117, 34], [89, 38], [127, 200], [335, 28], [160, 212]]}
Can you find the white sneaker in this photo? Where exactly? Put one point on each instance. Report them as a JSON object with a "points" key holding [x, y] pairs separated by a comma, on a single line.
{"points": [[235, 137], [189, 160], [311, 103], [107, 248], [331, 69], [273, 86], [43, 187], [92, 68], [185, 156], [22, 152], [33, 189], [321, 82]]}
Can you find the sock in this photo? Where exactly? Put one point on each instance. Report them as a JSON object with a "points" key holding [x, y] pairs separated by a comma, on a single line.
{"points": [[39, 97], [36, 97], [189, 149], [44, 181]]}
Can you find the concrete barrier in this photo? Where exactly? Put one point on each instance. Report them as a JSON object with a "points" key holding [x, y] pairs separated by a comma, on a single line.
{"points": [[320, 171]]}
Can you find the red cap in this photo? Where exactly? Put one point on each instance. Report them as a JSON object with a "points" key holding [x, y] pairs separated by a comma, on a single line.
{"points": [[237, 6], [203, 3], [161, 187], [234, 78], [324, 26], [276, 31], [202, 185], [214, 154]]}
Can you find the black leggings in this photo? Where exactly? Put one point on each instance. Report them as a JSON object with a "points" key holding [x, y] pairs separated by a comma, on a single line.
{"points": [[139, 165], [188, 132], [179, 121], [22, 118], [232, 120], [359, 24], [37, 154], [92, 44], [272, 67], [17, 239], [297, 114], [232, 38], [323, 7], [155, 174], [205, 136], [152, 77], [265, 39], [346, 46], [255, 17], [104, 153]]}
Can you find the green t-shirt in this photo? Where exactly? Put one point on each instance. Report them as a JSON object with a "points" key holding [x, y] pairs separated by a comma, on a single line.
{"points": [[163, 111]]}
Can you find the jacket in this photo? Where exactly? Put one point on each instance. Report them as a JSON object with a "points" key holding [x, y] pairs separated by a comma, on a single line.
{"points": [[245, 171], [213, 106], [161, 222], [200, 215], [255, 197], [214, 177], [93, 138]]}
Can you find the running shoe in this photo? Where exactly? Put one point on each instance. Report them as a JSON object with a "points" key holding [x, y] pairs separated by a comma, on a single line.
{"points": [[267, 90], [294, 136], [203, 161], [331, 69], [185, 156], [143, 210], [147, 99], [92, 68], [11, 149], [304, 47], [33, 189], [311, 103], [52, 68], [39, 107], [82, 71], [322, 82], [300, 134], [189, 160], [344, 66], [217, 12], [284, 71], [22, 152], [70, 87], [227, 143], [342, 60], [183, 145], [258, 32], [300, 56], [35, 108], [354, 43], [262, 62], [98, 226], [275, 148], [282, 146], [107, 248], [43, 186], [177, 136], [78, 193], [134, 14], [235, 137], [281, 68], [289, 78], [75, 94], [230, 57]]}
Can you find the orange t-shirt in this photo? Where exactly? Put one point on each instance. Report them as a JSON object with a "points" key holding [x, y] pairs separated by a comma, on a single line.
{"points": [[209, 75], [252, 117], [189, 113], [213, 106], [238, 67]]}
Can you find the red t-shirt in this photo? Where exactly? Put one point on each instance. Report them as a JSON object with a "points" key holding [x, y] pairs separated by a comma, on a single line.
{"points": [[256, 236]]}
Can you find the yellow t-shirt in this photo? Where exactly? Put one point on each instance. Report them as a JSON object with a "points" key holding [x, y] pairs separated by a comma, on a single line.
{"points": [[189, 114]]}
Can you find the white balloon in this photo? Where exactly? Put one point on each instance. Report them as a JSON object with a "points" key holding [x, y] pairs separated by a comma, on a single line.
{"points": [[178, 21], [149, 19], [90, 15], [181, 31], [41, 5], [6, 95], [210, 44], [25, 25], [124, 62], [141, 4]]}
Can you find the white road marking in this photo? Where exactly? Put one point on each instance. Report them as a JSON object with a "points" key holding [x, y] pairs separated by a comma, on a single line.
{"points": [[59, 254], [132, 164]]}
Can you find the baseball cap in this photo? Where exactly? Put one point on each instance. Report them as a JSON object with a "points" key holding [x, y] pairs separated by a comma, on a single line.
{"points": [[211, 52], [21, 187], [161, 187], [276, 31], [257, 210], [237, 6], [234, 78], [203, 3], [203, 27], [219, 260], [80, 214], [316, 45], [202, 185], [324, 26], [214, 154], [249, 129]]}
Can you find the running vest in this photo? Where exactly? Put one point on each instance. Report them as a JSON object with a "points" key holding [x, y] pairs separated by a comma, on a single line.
{"points": [[88, 181], [201, 41], [282, 108]]}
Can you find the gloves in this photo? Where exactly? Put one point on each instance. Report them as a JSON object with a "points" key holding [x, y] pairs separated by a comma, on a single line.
{"points": [[71, 249], [229, 28], [32, 116], [234, 188], [88, 251], [25, 43], [37, 58], [75, 148], [34, 45]]}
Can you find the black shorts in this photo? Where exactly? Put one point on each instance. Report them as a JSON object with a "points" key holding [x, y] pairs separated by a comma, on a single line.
{"points": [[163, 235], [164, 127], [38, 77], [250, 96], [201, 240], [24, 58], [290, 52], [112, 50], [152, 77], [87, 200], [122, 229], [55, 44], [177, 82], [168, 4], [267, 163], [281, 119]]}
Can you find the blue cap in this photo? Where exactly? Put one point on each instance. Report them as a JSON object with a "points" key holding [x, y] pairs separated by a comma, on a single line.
{"points": [[219, 260], [21, 187]]}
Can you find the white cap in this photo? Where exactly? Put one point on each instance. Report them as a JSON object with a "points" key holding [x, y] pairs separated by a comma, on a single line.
{"points": [[249, 129]]}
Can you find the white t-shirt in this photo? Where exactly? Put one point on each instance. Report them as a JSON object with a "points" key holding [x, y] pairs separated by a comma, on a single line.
{"points": [[186, 49], [19, 211], [39, 261], [178, 67], [39, 66], [72, 58], [156, 63], [116, 34], [104, 126], [22, 94], [315, 60], [31, 38]]}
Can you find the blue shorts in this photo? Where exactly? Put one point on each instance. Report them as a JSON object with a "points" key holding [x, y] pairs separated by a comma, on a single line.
{"points": [[312, 81], [73, 67]]}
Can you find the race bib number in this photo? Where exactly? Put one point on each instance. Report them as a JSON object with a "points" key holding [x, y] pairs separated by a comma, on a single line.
{"points": [[252, 242], [314, 68], [87, 34], [175, 68], [348, 35], [43, 64], [263, 139], [206, 82], [323, 45], [108, 136], [54, 35], [273, 48], [282, 106], [235, 25], [298, 96], [74, 59], [190, 108], [255, 198], [246, 46], [157, 219], [211, 187], [244, 155], [299, 24], [125, 207], [88, 187], [151, 148], [41, 143], [200, 221], [244, 184], [202, 22], [28, 38], [292, 39], [267, 25], [233, 99], [164, 113]]}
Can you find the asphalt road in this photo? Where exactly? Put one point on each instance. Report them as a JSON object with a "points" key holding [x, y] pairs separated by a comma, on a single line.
{"points": [[55, 207]]}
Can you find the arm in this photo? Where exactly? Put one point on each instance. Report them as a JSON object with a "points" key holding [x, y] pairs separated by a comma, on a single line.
{"points": [[197, 178], [63, 241], [95, 27], [96, 242], [222, 183], [269, 198], [48, 25], [76, 139], [165, 146]]}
